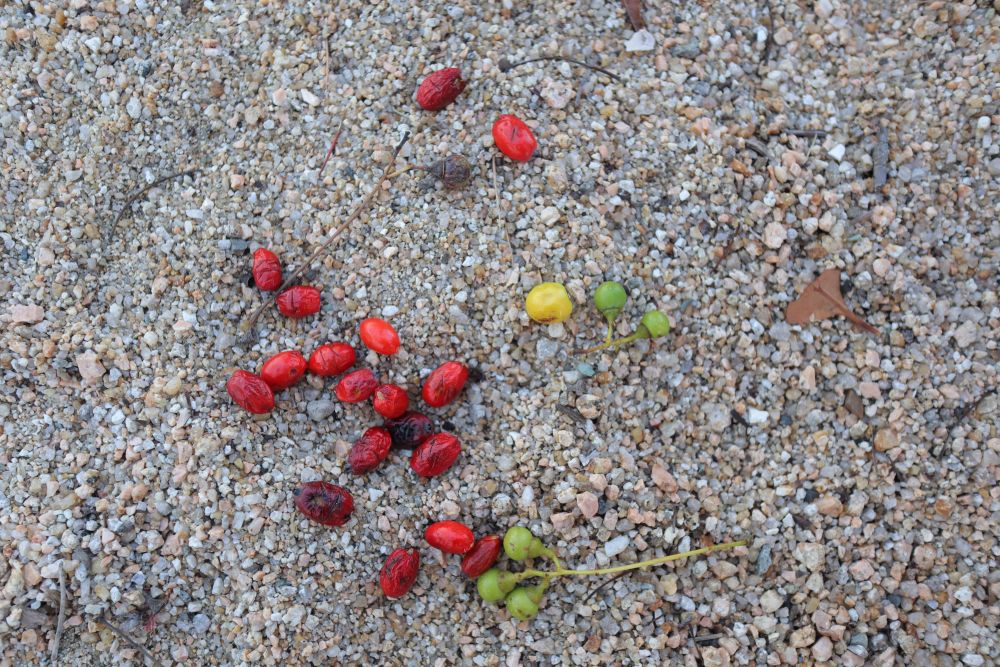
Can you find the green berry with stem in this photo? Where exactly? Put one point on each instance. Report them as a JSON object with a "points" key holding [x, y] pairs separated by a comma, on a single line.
{"points": [[494, 584], [517, 543], [655, 323], [610, 299], [523, 601]]}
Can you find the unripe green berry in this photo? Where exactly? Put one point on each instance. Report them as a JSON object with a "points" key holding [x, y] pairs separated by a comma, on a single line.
{"points": [[521, 605], [654, 324], [517, 543], [494, 584], [610, 299]]}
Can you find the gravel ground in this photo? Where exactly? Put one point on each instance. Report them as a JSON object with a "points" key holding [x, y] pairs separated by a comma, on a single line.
{"points": [[863, 468]]}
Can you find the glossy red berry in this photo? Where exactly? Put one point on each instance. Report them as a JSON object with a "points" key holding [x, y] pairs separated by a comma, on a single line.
{"points": [[390, 401], [399, 573], [299, 301], [440, 89], [482, 555], [409, 430], [324, 503], [369, 450], [379, 335], [331, 359], [435, 455], [445, 383], [250, 392], [283, 370], [514, 138], [266, 270], [450, 537], [356, 386]]}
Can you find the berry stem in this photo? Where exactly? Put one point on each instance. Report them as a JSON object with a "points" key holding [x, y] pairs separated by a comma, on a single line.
{"points": [[638, 334], [563, 572]]}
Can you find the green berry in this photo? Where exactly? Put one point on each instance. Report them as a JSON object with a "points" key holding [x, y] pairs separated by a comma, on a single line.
{"points": [[610, 299], [517, 543], [494, 584], [521, 605], [655, 324]]}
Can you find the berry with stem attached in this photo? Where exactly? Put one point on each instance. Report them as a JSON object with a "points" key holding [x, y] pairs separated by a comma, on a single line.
{"points": [[519, 543], [523, 601], [654, 324], [610, 298], [494, 584]]}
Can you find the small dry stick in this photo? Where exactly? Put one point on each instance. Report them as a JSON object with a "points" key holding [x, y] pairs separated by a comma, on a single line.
{"points": [[62, 617], [128, 640], [500, 221], [135, 195], [333, 147], [506, 65], [806, 133]]}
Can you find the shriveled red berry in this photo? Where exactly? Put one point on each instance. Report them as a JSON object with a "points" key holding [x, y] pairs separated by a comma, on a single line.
{"points": [[369, 450], [482, 556], [390, 401], [266, 270], [514, 138], [409, 430], [283, 369], [379, 335], [450, 537], [440, 89], [324, 503], [399, 573], [250, 392], [445, 383], [331, 359], [299, 301], [435, 454], [357, 386]]}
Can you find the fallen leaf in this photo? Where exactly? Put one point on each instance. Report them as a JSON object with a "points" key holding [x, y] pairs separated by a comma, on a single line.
{"points": [[634, 10], [821, 300]]}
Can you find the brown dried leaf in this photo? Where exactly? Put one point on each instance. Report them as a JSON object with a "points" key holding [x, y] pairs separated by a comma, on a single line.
{"points": [[821, 300], [634, 10]]}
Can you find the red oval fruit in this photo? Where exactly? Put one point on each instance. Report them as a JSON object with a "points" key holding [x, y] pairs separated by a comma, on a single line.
{"points": [[450, 537], [482, 555], [369, 450], [331, 359], [435, 454], [390, 401], [445, 383], [399, 572], [250, 392], [266, 270], [409, 430], [357, 386], [324, 503], [299, 301], [283, 370], [514, 138], [379, 335], [440, 89]]}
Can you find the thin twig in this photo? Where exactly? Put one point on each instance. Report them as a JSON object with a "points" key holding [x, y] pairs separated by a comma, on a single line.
{"points": [[960, 415], [765, 57], [128, 640], [805, 133], [603, 586], [704, 639], [506, 65], [333, 147], [62, 617], [134, 196]]}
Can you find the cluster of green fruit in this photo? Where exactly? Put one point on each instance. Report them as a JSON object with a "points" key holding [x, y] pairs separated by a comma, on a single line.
{"points": [[610, 298]]}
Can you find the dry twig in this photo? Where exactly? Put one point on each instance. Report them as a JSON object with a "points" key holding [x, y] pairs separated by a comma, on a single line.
{"points": [[128, 640], [139, 193], [333, 147], [62, 617], [506, 65]]}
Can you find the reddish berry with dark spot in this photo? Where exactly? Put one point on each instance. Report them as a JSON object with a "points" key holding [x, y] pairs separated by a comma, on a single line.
{"points": [[435, 455], [299, 301], [324, 503], [369, 450], [379, 335], [450, 537], [440, 89], [331, 359], [266, 270], [250, 392], [409, 430], [514, 138], [482, 555], [445, 383], [357, 386], [390, 401], [283, 369], [399, 573]]}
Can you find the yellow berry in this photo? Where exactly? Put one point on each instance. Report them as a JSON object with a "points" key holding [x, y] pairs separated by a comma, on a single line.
{"points": [[548, 303]]}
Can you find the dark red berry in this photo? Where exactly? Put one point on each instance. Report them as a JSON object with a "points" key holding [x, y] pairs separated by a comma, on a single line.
{"points": [[324, 503], [514, 138], [283, 369], [299, 301], [357, 386], [440, 89], [482, 555], [435, 454], [379, 335], [409, 430], [331, 359], [445, 383], [399, 573], [369, 450], [250, 392], [266, 270], [450, 537], [390, 401]]}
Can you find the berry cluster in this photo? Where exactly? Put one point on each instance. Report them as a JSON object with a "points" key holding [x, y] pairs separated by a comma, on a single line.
{"points": [[295, 302]]}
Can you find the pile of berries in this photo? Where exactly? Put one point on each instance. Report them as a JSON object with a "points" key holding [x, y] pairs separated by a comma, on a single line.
{"points": [[295, 302]]}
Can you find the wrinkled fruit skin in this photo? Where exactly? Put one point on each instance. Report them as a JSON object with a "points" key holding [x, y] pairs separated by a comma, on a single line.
{"points": [[399, 573], [514, 138], [331, 359], [410, 430], [283, 370], [444, 383], [391, 401], [369, 450], [378, 335], [324, 503], [482, 556], [299, 301], [357, 386], [453, 171], [250, 392], [440, 89], [266, 270], [548, 303], [450, 537], [435, 455]]}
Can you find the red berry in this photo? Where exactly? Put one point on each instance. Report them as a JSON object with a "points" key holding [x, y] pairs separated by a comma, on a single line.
{"points": [[266, 270], [409, 430], [369, 450], [379, 335], [482, 556], [514, 138], [445, 383], [299, 301], [399, 573], [283, 369], [440, 89], [331, 359], [435, 454], [356, 386], [450, 537], [324, 503], [250, 392], [391, 401]]}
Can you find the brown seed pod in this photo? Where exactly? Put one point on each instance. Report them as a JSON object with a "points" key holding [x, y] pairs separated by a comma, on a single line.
{"points": [[454, 171]]}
